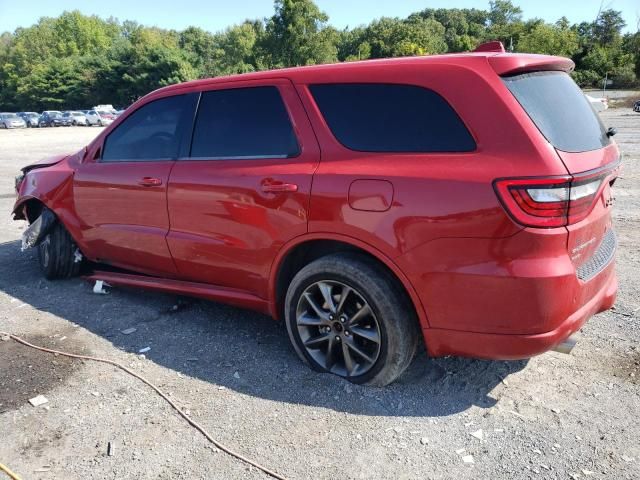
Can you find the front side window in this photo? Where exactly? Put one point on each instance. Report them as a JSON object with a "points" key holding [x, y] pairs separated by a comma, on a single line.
{"points": [[153, 132], [243, 123], [377, 117]]}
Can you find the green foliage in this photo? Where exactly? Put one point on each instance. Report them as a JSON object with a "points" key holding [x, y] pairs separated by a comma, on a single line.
{"points": [[549, 40], [76, 61]]}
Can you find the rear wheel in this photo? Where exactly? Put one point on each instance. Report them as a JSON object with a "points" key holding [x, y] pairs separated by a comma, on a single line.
{"points": [[347, 316], [57, 254]]}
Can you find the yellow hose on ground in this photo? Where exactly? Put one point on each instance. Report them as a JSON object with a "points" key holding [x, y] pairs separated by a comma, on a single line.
{"points": [[5, 469]]}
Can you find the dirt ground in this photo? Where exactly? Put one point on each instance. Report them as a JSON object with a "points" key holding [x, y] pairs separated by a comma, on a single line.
{"points": [[554, 416]]}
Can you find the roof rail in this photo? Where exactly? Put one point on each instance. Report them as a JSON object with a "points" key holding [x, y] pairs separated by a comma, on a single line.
{"points": [[494, 46]]}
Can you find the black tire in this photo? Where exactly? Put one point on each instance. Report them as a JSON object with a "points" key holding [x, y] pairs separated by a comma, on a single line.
{"points": [[99, 123], [56, 254], [395, 320]]}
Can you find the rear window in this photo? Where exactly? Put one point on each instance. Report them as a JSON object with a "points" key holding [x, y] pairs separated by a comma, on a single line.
{"points": [[391, 118], [560, 110]]}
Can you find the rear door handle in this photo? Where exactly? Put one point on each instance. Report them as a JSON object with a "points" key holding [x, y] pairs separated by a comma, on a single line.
{"points": [[279, 187], [150, 182]]}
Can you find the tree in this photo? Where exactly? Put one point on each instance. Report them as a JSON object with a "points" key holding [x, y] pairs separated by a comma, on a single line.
{"points": [[503, 12], [550, 40], [608, 27], [295, 35]]}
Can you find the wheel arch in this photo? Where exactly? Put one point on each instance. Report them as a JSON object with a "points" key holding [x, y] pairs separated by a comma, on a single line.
{"points": [[307, 248]]}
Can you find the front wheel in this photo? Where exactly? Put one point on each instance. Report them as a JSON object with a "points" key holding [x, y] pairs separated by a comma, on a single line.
{"points": [[347, 316], [58, 254]]}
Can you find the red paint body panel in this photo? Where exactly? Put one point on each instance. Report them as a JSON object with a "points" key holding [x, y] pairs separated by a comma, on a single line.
{"points": [[482, 284], [124, 223]]}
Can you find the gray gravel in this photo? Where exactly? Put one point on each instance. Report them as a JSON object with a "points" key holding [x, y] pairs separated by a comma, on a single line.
{"points": [[554, 416]]}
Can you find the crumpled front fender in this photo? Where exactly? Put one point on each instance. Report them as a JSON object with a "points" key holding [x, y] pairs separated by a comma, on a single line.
{"points": [[51, 185]]}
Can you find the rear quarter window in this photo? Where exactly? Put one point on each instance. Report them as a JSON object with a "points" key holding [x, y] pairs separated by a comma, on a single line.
{"points": [[391, 118], [560, 110]]}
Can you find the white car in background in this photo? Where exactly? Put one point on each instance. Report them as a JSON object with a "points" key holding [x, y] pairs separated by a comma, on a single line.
{"points": [[599, 104], [98, 117], [77, 118]]}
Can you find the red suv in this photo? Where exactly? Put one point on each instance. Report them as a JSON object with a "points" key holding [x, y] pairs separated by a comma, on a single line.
{"points": [[463, 197]]}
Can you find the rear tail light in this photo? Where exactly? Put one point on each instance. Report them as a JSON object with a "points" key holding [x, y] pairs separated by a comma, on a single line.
{"points": [[549, 202]]}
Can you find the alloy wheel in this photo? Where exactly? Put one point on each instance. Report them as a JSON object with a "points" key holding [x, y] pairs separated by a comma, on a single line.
{"points": [[338, 328]]}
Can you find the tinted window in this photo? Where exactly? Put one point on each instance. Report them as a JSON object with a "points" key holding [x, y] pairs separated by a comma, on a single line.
{"points": [[153, 132], [391, 118], [560, 110], [243, 123]]}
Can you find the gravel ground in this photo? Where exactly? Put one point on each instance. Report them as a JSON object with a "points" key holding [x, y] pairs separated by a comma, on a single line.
{"points": [[554, 416]]}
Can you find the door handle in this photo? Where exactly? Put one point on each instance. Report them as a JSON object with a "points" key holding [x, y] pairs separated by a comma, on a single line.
{"points": [[150, 182], [279, 187]]}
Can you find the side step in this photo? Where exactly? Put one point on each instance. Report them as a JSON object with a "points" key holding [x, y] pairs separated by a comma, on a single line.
{"points": [[180, 287]]}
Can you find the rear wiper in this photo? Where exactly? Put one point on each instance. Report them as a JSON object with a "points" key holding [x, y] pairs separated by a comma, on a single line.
{"points": [[611, 131]]}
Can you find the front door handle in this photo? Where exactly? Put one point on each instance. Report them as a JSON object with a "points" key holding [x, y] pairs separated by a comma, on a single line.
{"points": [[150, 182], [279, 187]]}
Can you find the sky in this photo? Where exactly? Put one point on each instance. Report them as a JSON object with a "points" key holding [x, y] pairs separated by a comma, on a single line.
{"points": [[215, 15]]}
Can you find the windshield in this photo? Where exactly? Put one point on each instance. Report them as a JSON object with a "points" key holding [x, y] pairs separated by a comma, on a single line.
{"points": [[11, 116], [560, 110]]}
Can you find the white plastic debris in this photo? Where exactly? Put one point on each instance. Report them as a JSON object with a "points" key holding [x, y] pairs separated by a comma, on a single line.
{"points": [[236, 375], [424, 441], [39, 400], [144, 350], [77, 256], [98, 288], [129, 331], [478, 434], [468, 459]]}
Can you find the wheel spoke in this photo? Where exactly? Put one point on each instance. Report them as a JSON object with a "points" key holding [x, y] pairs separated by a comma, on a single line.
{"points": [[370, 334], [321, 313], [348, 361], [360, 314], [306, 320], [317, 341], [343, 298], [359, 352], [325, 289], [330, 358]]}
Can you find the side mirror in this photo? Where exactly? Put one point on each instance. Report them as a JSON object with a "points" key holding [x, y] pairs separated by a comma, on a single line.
{"points": [[611, 131]]}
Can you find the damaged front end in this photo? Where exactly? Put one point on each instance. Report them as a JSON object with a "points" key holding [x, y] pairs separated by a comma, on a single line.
{"points": [[38, 229]]}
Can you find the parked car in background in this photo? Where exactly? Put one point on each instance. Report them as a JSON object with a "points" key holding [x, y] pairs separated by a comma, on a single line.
{"points": [[11, 120], [76, 117], [636, 106], [599, 104], [53, 118], [98, 117], [369, 205], [30, 118]]}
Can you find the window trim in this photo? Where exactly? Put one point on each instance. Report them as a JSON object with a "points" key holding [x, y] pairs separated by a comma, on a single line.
{"points": [[326, 125], [233, 86], [184, 137]]}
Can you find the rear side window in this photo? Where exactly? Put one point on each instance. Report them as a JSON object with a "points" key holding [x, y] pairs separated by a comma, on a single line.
{"points": [[153, 132], [391, 118], [560, 110], [243, 123]]}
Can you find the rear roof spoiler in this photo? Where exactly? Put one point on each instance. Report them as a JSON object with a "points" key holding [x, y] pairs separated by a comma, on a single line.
{"points": [[512, 64]]}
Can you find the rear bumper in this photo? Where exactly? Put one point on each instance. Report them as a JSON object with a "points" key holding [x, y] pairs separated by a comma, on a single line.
{"points": [[442, 342]]}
